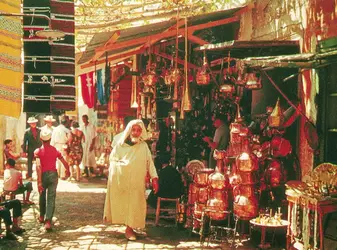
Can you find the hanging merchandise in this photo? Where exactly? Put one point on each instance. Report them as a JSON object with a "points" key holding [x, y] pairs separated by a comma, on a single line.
{"points": [[203, 77], [100, 79], [253, 80], [107, 80], [227, 86], [150, 77], [88, 89], [275, 119]]}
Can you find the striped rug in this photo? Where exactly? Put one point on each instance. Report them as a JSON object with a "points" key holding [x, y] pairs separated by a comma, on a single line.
{"points": [[11, 70]]}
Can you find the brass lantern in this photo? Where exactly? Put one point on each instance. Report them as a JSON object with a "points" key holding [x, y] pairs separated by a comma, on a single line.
{"points": [[150, 77], [203, 77], [253, 80], [276, 118], [227, 87]]}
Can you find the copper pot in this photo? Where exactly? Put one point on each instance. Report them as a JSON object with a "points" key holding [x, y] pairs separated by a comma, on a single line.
{"points": [[247, 162], [198, 209], [202, 194], [280, 147], [192, 193], [249, 177], [274, 174], [201, 177], [246, 202], [217, 181], [216, 209]]}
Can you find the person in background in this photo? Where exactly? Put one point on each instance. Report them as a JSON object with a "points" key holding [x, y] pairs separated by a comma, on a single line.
{"points": [[59, 140], [220, 140], [75, 155], [90, 134], [12, 226], [10, 154], [170, 182], [31, 141], [130, 160], [47, 177], [116, 138], [13, 181], [48, 120]]}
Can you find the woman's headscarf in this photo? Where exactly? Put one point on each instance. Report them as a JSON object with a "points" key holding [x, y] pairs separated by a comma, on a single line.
{"points": [[127, 131]]}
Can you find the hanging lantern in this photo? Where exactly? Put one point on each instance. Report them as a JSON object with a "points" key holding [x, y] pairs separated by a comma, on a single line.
{"points": [[150, 77], [253, 80], [175, 75], [203, 77], [276, 118]]}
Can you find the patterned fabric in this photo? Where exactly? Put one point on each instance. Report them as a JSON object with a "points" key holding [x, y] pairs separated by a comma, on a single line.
{"points": [[49, 66], [75, 150], [99, 85], [10, 60], [88, 89]]}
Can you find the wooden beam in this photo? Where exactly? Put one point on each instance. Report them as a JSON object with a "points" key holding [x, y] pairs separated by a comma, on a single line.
{"points": [[169, 57], [111, 41], [213, 24], [197, 40], [157, 37], [123, 55]]}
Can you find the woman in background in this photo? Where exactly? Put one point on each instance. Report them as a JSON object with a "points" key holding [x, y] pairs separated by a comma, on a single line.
{"points": [[76, 137]]}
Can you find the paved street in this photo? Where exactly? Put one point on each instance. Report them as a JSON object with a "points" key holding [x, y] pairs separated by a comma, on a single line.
{"points": [[78, 225]]}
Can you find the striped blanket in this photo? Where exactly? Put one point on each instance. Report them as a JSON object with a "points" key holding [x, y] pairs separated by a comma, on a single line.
{"points": [[11, 70]]}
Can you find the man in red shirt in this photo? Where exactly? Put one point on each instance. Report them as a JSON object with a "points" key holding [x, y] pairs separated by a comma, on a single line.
{"points": [[47, 177]]}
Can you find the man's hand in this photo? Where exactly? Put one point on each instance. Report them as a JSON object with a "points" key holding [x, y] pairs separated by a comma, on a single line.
{"points": [[206, 139], [67, 173], [155, 185], [40, 188]]}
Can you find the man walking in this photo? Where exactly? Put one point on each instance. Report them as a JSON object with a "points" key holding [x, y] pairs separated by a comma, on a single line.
{"points": [[59, 140], [47, 177], [48, 120], [31, 141], [88, 161]]}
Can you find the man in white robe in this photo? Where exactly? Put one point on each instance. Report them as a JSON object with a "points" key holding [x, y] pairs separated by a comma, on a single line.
{"points": [[59, 140], [130, 161], [90, 134]]}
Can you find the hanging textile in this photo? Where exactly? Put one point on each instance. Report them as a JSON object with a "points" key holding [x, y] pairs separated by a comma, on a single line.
{"points": [[37, 61], [88, 89], [63, 52], [99, 85], [107, 82], [10, 60]]}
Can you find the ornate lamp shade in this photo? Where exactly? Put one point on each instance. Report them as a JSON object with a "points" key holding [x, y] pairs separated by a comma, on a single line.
{"points": [[253, 80], [227, 88], [150, 78], [176, 75], [203, 77], [167, 77], [276, 118]]}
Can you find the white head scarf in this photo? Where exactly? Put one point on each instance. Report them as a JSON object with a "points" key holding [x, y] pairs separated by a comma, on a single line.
{"points": [[127, 131]]}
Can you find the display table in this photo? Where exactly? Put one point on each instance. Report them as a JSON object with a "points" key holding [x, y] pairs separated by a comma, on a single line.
{"points": [[264, 227], [319, 207]]}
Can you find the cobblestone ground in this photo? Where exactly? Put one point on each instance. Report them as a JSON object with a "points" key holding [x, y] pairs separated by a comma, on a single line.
{"points": [[78, 225]]}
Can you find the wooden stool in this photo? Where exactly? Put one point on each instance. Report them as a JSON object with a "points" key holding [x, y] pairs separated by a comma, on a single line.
{"points": [[158, 210]]}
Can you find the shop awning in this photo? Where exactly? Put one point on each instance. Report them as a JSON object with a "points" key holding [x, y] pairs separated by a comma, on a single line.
{"points": [[242, 49], [127, 42], [304, 60]]}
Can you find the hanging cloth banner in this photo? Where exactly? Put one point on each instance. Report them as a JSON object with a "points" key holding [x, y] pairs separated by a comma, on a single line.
{"points": [[88, 89], [99, 85], [107, 81]]}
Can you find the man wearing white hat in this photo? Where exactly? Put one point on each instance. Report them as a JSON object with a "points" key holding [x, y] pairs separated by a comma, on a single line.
{"points": [[31, 141], [59, 140], [47, 177], [48, 120]]}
